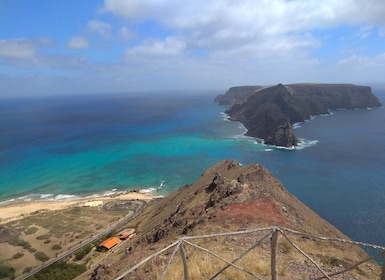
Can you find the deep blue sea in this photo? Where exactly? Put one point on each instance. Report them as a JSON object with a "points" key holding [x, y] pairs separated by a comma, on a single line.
{"points": [[56, 148]]}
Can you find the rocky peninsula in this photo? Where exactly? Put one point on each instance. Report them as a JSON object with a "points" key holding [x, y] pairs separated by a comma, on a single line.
{"points": [[269, 112]]}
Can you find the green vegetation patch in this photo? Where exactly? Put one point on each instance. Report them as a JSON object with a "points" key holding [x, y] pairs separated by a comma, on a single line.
{"points": [[60, 271], [5, 234], [82, 252], [43, 237], [331, 261], [18, 255], [98, 227], [84, 223], [56, 247], [41, 256], [27, 269], [6, 272], [16, 241], [31, 230]]}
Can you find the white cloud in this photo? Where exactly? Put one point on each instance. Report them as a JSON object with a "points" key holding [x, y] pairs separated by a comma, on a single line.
{"points": [[365, 31], [17, 48], [28, 54], [274, 14], [244, 40], [47, 42], [381, 32], [216, 43], [256, 25], [361, 69], [63, 62], [77, 43], [125, 33], [135, 9], [100, 27], [170, 46], [361, 63]]}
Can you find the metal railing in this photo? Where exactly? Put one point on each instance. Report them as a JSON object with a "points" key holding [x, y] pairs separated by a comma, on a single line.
{"points": [[272, 233]]}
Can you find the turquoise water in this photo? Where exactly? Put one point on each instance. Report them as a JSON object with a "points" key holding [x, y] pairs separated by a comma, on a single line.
{"points": [[79, 146], [67, 147]]}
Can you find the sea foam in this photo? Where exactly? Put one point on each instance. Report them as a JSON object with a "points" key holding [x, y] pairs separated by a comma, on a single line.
{"points": [[66, 197], [149, 190]]}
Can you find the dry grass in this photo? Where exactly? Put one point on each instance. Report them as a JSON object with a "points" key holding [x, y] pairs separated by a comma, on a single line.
{"points": [[291, 263], [44, 229]]}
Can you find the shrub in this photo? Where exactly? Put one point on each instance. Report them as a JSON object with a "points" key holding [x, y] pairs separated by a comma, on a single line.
{"points": [[6, 272], [16, 241], [41, 256], [331, 261], [17, 256], [27, 269], [31, 230], [82, 252], [56, 247], [97, 227], [42, 237]]}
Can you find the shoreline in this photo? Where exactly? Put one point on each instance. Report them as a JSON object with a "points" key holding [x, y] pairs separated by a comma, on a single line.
{"points": [[13, 211]]}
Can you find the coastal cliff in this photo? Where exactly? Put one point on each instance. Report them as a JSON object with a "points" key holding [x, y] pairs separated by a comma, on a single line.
{"points": [[269, 113]]}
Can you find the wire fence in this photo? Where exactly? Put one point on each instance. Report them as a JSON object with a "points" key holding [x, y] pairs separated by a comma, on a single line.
{"points": [[267, 235]]}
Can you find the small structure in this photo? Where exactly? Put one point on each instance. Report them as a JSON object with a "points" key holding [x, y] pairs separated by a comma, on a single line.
{"points": [[126, 234], [108, 243]]}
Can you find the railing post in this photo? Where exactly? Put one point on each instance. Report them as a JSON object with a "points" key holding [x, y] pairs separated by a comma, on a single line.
{"points": [[274, 241], [383, 267], [185, 268]]}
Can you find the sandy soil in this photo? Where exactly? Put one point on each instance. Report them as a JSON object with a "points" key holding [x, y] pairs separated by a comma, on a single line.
{"points": [[15, 211]]}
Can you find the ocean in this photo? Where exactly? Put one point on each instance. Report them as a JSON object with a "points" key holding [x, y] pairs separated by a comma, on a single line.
{"points": [[65, 147]]}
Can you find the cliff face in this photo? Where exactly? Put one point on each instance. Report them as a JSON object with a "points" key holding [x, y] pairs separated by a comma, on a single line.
{"points": [[269, 113]]}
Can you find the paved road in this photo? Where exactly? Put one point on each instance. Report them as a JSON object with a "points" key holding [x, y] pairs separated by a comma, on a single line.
{"points": [[139, 205]]}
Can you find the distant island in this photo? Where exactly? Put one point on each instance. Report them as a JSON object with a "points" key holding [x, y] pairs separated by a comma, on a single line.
{"points": [[268, 113]]}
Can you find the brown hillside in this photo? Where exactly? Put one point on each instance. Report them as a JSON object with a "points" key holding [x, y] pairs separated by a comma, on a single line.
{"points": [[229, 197], [228, 189]]}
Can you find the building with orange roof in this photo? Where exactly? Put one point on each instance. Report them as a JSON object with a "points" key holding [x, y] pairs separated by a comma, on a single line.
{"points": [[108, 243]]}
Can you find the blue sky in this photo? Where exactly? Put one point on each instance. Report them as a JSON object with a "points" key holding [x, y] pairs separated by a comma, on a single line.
{"points": [[76, 47]]}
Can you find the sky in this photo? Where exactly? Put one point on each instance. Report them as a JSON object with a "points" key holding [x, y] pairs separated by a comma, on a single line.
{"points": [[92, 46]]}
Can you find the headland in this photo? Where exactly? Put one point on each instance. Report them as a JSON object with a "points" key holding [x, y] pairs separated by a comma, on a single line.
{"points": [[268, 113]]}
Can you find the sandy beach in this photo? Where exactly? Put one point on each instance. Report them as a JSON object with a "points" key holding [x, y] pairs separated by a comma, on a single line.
{"points": [[15, 211]]}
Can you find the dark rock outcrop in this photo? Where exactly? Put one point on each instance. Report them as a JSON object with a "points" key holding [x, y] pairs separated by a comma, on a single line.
{"points": [[268, 113]]}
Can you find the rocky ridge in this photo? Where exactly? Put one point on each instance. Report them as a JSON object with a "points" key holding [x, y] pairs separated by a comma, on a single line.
{"points": [[269, 113], [229, 197]]}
